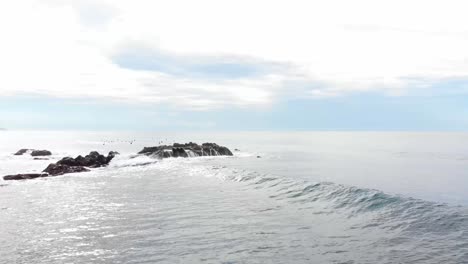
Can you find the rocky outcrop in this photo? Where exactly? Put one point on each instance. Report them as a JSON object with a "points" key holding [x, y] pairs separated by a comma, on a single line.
{"points": [[186, 150], [24, 176], [69, 165], [80, 163], [33, 152], [92, 160]]}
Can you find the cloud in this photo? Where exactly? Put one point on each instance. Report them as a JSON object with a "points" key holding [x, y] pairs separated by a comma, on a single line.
{"points": [[209, 54], [92, 14], [141, 58]]}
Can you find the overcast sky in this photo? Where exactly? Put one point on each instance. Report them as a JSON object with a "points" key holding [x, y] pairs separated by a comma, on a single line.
{"points": [[282, 65]]}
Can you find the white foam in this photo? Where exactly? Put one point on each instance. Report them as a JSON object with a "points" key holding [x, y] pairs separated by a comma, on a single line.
{"points": [[131, 160]]}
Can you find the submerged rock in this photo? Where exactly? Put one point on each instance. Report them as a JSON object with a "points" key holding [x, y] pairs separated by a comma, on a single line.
{"points": [[186, 150], [55, 169], [24, 176], [34, 152], [21, 152]]}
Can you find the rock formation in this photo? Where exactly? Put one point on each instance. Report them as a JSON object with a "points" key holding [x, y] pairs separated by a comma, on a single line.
{"points": [[94, 159], [21, 152], [55, 169], [33, 152], [68, 165], [79, 164], [186, 150], [24, 176]]}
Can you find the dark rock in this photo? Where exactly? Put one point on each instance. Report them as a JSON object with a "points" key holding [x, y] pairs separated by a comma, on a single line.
{"points": [[21, 152], [258, 157], [93, 160], [35, 153], [41, 159], [186, 150], [68, 165], [111, 155], [236, 149], [24, 176], [79, 164], [69, 161], [55, 169], [179, 152], [218, 150]]}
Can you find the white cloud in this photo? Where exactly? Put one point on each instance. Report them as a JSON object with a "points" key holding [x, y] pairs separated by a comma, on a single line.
{"points": [[67, 48]]}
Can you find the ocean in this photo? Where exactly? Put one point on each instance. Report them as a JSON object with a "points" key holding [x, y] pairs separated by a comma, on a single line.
{"points": [[284, 197]]}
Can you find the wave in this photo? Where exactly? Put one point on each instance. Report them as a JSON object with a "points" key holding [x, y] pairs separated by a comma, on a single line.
{"points": [[387, 211], [123, 161], [398, 227], [381, 210]]}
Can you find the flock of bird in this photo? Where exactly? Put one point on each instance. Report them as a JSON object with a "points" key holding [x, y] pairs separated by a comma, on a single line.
{"points": [[160, 142]]}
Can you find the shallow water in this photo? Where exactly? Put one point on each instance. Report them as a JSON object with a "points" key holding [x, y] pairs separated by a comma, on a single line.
{"points": [[311, 198]]}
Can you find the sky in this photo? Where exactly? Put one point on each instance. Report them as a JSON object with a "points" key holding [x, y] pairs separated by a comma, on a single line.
{"points": [[234, 65]]}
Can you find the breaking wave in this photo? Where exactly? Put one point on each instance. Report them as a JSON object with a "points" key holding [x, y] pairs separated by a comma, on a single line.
{"points": [[389, 211]]}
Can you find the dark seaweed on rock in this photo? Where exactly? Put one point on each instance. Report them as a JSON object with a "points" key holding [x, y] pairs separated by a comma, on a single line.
{"points": [[186, 150]]}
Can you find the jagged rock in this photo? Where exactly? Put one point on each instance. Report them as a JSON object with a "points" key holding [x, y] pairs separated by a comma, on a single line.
{"points": [[55, 169], [186, 150], [93, 160], [41, 159], [67, 165], [24, 176], [223, 151], [35, 153]]}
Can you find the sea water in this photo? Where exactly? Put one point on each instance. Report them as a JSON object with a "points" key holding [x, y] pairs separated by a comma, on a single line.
{"points": [[284, 197]]}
